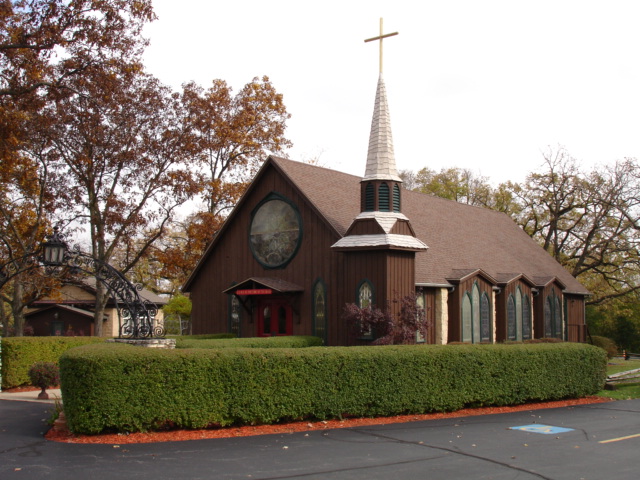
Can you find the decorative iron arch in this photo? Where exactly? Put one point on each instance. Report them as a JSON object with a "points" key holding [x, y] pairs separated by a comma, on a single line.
{"points": [[136, 315]]}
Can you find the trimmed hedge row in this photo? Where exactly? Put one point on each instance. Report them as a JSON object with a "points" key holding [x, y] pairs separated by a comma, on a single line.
{"points": [[203, 336], [19, 353], [298, 341], [125, 389]]}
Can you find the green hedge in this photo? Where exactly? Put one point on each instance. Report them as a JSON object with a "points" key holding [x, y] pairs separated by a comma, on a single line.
{"points": [[204, 336], [125, 389], [19, 353], [204, 341]]}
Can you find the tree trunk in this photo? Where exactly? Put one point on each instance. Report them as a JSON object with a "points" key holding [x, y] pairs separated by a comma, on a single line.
{"points": [[102, 296], [4, 320], [17, 308]]}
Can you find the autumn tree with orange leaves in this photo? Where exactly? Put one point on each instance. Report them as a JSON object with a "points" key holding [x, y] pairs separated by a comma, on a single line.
{"points": [[45, 45], [95, 140], [126, 153], [230, 137]]}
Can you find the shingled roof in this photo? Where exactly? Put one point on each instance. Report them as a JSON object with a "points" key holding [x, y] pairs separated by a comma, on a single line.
{"points": [[460, 237]]}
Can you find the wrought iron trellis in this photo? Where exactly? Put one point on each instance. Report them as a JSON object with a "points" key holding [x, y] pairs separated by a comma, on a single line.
{"points": [[136, 315]]}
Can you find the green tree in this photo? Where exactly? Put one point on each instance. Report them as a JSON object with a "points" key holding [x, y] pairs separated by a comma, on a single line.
{"points": [[177, 313], [460, 185]]}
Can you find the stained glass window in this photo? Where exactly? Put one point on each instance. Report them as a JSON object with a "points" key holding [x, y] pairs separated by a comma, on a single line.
{"points": [[320, 311], [526, 318], [485, 319], [466, 318], [275, 232], [475, 311], [365, 299], [511, 318]]}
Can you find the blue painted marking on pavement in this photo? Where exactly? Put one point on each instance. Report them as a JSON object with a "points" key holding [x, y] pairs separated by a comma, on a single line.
{"points": [[545, 429]]}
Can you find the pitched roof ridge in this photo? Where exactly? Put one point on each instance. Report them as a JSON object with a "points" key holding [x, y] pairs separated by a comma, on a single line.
{"points": [[298, 163], [450, 201]]}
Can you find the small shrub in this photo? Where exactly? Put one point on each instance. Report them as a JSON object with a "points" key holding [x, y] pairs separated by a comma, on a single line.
{"points": [[606, 344], [44, 374], [19, 353], [387, 327]]}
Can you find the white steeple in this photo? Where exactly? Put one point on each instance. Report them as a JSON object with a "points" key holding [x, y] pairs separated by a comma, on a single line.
{"points": [[381, 161]]}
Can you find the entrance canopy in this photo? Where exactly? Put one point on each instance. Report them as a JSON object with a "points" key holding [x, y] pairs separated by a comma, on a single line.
{"points": [[263, 286]]}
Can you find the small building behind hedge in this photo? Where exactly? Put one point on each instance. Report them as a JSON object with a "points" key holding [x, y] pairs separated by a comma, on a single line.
{"points": [[70, 311], [305, 240]]}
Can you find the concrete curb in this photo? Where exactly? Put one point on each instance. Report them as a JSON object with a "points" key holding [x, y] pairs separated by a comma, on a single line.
{"points": [[32, 396]]}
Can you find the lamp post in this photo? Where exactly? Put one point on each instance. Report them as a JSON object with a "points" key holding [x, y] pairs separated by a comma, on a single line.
{"points": [[54, 249], [136, 315]]}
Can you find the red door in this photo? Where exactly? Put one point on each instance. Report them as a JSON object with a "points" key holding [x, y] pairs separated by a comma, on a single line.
{"points": [[274, 318]]}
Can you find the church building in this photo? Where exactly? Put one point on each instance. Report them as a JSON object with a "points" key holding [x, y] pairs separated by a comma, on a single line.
{"points": [[304, 241]]}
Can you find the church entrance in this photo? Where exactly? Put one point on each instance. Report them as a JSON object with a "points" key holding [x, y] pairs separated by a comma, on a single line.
{"points": [[274, 317]]}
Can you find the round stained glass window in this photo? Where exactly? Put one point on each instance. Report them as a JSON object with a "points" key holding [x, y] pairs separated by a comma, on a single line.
{"points": [[275, 233]]}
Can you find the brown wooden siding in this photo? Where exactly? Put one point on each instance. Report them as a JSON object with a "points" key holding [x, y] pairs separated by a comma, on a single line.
{"points": [[232, 262], [575, 318], [73, 322], [365, 227], [402, 228]]}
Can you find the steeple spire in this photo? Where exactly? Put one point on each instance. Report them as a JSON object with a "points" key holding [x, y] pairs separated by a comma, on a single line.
{"points": [[381, 160], [381, 225]]}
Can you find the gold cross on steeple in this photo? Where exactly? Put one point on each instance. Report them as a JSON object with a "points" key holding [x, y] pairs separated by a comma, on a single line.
{"points": [[380, 37]]}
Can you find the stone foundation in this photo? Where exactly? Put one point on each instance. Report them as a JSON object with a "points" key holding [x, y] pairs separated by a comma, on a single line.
{"points": [[148, 342]]}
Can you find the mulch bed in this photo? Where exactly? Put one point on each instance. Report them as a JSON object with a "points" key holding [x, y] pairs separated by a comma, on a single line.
{"points": [[60, 433]]}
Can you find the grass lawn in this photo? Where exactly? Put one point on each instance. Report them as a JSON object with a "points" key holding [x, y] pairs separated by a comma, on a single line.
{"points": [[624, 391]]}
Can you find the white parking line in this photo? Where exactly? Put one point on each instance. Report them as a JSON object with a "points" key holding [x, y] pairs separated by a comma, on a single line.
{"points": [[611, 440]]}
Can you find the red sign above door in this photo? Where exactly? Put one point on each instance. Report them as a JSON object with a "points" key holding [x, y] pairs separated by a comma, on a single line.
{"points": [[255, 291]]}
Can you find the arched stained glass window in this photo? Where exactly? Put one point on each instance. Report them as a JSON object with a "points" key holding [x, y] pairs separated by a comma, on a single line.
{"points": [[557, 318], [518, 314], [548, 320], [466, 318], [475, 310], [365, 294], [320, 310], [383, 197], [369, 198], [526, 318], [234, 316], [420, 303], [365, 299], [485, 319], [511, 318]]}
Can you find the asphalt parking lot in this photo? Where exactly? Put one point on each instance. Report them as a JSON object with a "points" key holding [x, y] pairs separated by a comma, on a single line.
{"points": [[591, 442]]}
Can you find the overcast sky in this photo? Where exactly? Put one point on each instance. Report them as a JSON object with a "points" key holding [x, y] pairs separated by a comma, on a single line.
{"points": [[486, 85]]}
